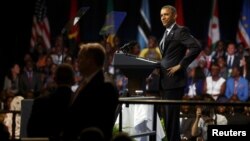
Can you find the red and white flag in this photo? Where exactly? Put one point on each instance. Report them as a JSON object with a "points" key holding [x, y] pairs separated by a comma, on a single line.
{"points": [[40, 27], [213, 30]]}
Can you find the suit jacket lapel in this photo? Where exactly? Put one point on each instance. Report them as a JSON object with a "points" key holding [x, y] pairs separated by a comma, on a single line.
{"points": [[168, 39]]}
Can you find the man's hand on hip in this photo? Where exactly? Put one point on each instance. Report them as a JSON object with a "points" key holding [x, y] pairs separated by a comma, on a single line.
{"points": [[173, 69]]}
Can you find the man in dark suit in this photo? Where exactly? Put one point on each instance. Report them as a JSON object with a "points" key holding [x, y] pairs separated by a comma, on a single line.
{"points": [[95, 101], [233, 60], [179, 48], [30, 83]]}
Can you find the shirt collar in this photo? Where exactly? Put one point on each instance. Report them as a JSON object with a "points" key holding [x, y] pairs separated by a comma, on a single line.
{"points": [[170, 27]]}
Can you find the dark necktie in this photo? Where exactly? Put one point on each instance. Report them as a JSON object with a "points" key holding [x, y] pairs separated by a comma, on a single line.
{"points": [[230, 61], [162, 43]]}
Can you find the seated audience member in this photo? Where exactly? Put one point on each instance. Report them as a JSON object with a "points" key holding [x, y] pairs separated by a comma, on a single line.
{"points": [[219, 50], [11, 81], [49, 111], [205, 115], [152, 50], [236, 86], [215, 84], [232, 58], [223, 67], [186, 120], [30, 81], [196, 78], [222, 109]]}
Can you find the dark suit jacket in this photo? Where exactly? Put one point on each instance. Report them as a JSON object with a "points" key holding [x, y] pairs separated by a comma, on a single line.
{"points": [[94, 106], [176, 44], [35, 85], [236, 61], [48, 113]]}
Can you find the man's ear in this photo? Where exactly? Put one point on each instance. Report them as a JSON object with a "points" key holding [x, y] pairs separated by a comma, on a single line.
{"points": [[175, 16]]}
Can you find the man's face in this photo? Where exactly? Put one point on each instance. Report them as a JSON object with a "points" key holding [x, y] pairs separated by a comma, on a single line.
{"points": [[235, 72], [231, 49], [167, 17], [215, 70]]}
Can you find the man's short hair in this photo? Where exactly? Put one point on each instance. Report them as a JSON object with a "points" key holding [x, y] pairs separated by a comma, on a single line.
{"points": [[172, 8], [95, 51]]}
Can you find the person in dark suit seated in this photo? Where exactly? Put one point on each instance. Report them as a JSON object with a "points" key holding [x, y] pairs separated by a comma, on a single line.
{"points": [[48, 112], [179, 48], [93, 97], [232, 58]]}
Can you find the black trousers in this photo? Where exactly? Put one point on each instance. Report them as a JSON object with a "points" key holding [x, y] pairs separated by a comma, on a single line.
{"points": [[172, 113]]}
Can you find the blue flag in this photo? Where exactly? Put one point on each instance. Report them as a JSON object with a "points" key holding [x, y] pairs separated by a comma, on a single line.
{"points": [[113, 22], [243, 33], [144, 26]]}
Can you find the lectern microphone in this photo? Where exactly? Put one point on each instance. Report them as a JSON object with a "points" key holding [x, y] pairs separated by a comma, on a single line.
{"points": [[125, 48]]}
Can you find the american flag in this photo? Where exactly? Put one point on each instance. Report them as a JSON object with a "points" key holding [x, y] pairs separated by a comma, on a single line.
{"points": [[40, 28]]}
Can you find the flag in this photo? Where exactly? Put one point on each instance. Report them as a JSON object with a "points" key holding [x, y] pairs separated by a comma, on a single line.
{"points": [[110, 6], [40, 34], [113, 22], [74, 30], [213, 30], [144, 27], [243, 33], [110, 20], [179, 8]]}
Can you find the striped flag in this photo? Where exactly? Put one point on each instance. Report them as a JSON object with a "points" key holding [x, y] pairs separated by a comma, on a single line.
{"points": [[179, 8], [74, 30], [214, 31], [243, 33], [144, 27], [40, 27]]}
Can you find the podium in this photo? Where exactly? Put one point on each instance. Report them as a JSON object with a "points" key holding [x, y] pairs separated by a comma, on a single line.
{"points": [[136, 69]]}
